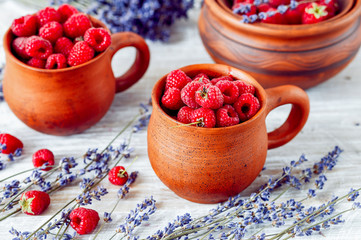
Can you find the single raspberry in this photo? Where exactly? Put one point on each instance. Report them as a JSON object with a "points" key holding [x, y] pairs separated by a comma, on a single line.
{"points": [[215, 80], [51, 31], [204, 117], [209, 96], [65, 11], [80, 53], [46, 15], [9, 143], [24, 26], [18, 45], [263, 7], [177, 78], [43, 156], [244, 87], [63, 45], [201, 77], [226, 116], [98, 38], [171, 99], [246, 106], [332, 6], [118, 176], [38, 47], [83, 220], [56, 61], [188, 93], [184, 114], [34, 202], [76, 25], [37, 63], [229, 90]]}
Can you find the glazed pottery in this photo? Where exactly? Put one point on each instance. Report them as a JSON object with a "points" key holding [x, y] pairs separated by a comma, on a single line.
{"points": [[208, 165], [303, 55], [69, 100]]}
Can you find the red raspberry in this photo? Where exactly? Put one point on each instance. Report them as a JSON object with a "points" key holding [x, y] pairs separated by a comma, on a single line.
{"points": [[188, 93], [246, 106], [184, 114], [276, 3], [80, 53], [274, 17], [204, 117], [215, 80], [226, 116], [63, 45], [244, 87], [56, 61], [98, 38], [65, 11], [76, 25], [24, 26], [244, 8], [51, 31], [10, 143], [118, 176], [38, 47], [263, 7], [209, 96], [332, 6], [43, 156], [37, 63], [84, 220], [229, 90], [34, 202], [315, 13], [171, 99], [177, 78], [18, 45], [201, 77], [46, 15]]}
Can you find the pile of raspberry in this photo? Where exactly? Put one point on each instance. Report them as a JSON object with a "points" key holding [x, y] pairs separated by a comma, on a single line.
{"points": [[287, 11], [208, 102], [54, 39]]}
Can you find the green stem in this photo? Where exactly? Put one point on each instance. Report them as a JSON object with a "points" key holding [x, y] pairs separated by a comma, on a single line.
{"points": [[19, 173], [10, 214]]}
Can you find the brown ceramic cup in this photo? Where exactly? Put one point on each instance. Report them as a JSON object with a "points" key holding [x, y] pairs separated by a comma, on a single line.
{"points": [[70, 100], [208, 165]]}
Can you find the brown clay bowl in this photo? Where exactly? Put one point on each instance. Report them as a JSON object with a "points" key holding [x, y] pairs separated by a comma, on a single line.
{"points": [[303, 55], [208, 165]]}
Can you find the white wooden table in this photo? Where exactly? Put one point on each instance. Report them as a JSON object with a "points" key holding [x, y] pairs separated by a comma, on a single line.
{"points": [[335, 119]]}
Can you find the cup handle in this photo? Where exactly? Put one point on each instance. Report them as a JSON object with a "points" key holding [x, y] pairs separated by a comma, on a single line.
{"points": [[287, 94], [141, 62]]}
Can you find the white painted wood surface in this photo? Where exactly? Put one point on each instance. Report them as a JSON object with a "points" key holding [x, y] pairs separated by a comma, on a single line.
{"points": [[335, 119]]}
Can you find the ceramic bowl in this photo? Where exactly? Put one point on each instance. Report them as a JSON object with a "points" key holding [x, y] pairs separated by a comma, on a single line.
{"points": [[303, 55]]}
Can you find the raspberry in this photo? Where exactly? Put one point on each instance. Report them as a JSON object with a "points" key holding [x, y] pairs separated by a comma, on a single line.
{"points": [[244, 87], [246, 106], [263, 7], [244, 8], [118, 176], [98, 38], [80, 53], [56, 61], [188, 93], [38, 47], [83, 220], [229, 90], [46, 15], [34, 202], [18, 45], [226, 116], [201, 77], [24, 26], [178, 79], [9, 143], [204, 117], [65, 11], [276, 18], [76, 25], [171, 99], [184, 114], [63, 45], [276, 3], [51, 31], [43, 156], [209, 96], [215, 80], [37, 63]]}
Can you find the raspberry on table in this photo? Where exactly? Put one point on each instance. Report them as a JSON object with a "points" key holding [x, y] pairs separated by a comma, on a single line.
{"points": [[98, 38], [246, 106], [215, 80], [80, 53], [18, 46], [229, 90], [202, 77], [226, 116], [76, 25], [51, 31], [37, 63], [65, 11], [43, 156], [9, 143], [118, 176], [177, 78], [38, 47], [204, 117], [56, 61], [34, 202], [63, 45], [24, 26], [46, 15], [171, 99], [83, 220], [184, 114], [209, 96], [188, 93], [244, 87]]}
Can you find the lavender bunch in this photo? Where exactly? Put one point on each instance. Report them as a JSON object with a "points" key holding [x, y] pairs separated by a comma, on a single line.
{"points": [[9, 157]]}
